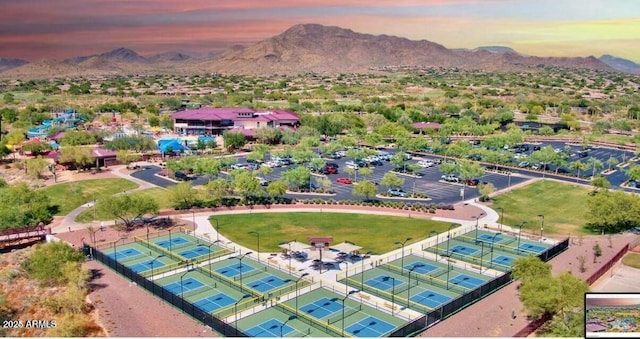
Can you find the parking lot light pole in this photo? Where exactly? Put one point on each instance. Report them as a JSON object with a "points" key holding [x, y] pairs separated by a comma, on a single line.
{"points": [[430, 235], [409, 289], [286, 321], [520, 234], [235, 311], [362, 270], [493, 239], [449, 236], [209, 250], [501, 217], [151, 263], [217, 230], [477, 218], [393, 292], [402, 258], [240, 259], [297, 281], [541, 216], [258, 235], [182, 288], [481, 254], [343, 306]]}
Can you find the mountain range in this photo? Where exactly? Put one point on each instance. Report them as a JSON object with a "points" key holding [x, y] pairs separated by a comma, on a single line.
{"points": [[307, 48]]}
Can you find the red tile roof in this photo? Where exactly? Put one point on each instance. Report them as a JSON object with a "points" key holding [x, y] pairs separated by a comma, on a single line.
{"points": [[423, 125], [231, 113]]}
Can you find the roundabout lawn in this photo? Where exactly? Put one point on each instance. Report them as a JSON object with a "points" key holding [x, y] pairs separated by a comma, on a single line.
{"points": [[562, 204], [375, 233], [70, 195]]}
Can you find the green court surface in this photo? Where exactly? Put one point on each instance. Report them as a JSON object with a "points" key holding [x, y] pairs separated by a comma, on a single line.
{"points": [[253, 277], [319, 313], [182, 246], [423, 284], [141, 259], [499, 250], [205, 292]]}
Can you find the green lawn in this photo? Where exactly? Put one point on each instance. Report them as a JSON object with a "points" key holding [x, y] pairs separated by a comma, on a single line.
{"points": [[69, 196], [373, 232], [632, 259], [161, 195], [563, 206]]}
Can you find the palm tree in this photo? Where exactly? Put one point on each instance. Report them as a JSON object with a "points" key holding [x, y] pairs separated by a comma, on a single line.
{"points": [[578, 166]]}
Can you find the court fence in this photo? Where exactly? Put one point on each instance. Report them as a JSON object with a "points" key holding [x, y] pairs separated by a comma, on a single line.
{"points": [[551, 252], [159, 291]]}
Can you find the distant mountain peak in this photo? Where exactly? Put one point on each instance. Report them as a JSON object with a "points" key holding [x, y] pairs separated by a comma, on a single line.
{"points": [[123, 54], [495, 49], [620, 64], [9, 63]]}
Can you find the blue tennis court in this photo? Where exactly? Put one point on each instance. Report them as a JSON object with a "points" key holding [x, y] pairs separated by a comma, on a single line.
{"points": [[146, 266], [322, 308], [267, 283], [216, 302], [175, 241], [188, 284], [463, 249], [370, 327], [421, 267], [430, 298], [490, 238], [532, 248], [195, 252], [233, 270], [503, 260], [124, 254], [384, 283], [269, 328], [466, 281]]}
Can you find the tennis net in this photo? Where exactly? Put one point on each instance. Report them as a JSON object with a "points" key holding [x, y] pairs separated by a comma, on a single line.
{"points": [[330, 329], [162, 250], [256, 271], [432, 279], [228, 281], [347, 313]]}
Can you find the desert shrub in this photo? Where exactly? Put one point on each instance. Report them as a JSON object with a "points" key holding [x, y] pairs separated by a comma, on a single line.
{"points": [[47, 263]]}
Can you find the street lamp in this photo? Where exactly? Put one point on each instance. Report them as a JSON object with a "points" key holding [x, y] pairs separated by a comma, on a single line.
{"points": [[217, 230], [481, 254], [520, 234], [501, 217], [402, 258], [182, 288], [209, 249], [235, 311], [477, 218], [362, 270], [409, 289], [285, 322], [492, 240], [541, 225], [436, 232], [449, 236], [151, 263], [393, 292], [170, 240], [297, 281], [448, 270], [343, 307], [240, 259], [258, 235]]}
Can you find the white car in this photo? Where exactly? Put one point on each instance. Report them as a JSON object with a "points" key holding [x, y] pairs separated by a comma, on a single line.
{"points": [[351, 164], [425, 163]]}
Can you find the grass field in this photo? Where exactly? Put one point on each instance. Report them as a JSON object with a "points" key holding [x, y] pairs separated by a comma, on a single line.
{"points": [[563, 206], [373, 232], [161, 195], [632, 259], [69, 196]]}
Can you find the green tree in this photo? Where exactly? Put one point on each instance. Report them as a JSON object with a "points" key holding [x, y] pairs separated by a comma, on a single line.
{"points": [[77, 138], [545, 130], [612, 212], [47, 263], [633, 172], [183, 196], [218, 189], [485, 190], [297, 177], [546, 155], [365, 172], [22, 206], [398, 160], [597, 252], [366, 189], [469, 170], [391, 180], [277, 188], [448, 167], [233, 140], [126, 207], [36, 166], [246, 184], [578, 166], [600, 182], [126, 157], [612, 162], [530, 268], [595, 165]]}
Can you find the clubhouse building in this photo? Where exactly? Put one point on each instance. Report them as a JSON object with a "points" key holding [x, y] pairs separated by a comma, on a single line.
{"points": [[214, 121]]}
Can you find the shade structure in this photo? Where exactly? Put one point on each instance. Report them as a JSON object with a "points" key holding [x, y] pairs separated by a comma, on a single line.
{"points": [[345, 247], [295, 246]]}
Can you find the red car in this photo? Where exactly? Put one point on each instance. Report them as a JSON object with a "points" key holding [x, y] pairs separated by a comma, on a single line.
{"points": [[344, 181]]}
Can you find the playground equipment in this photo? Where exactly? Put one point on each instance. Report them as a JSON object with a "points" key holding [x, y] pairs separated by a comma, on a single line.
{"points": [[66, 119]]}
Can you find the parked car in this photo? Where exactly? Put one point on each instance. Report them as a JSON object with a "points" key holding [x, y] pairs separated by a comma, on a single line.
{"points": [[450, 178], [238, 166], [332, 164], [181, 176], [523, 164], [474, 182], [346, 181], [474, 157], [329, 170], [562, 170], [425, 163], [397, 192], [351, 164], [536, 147], [263, 181]]}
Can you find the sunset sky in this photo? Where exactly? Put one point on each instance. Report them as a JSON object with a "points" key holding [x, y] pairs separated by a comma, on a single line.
{"points": [[38, 29]]}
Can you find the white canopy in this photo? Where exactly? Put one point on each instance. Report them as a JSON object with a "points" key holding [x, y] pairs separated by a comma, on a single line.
{"points": [[295, 246], [345, 247]]}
